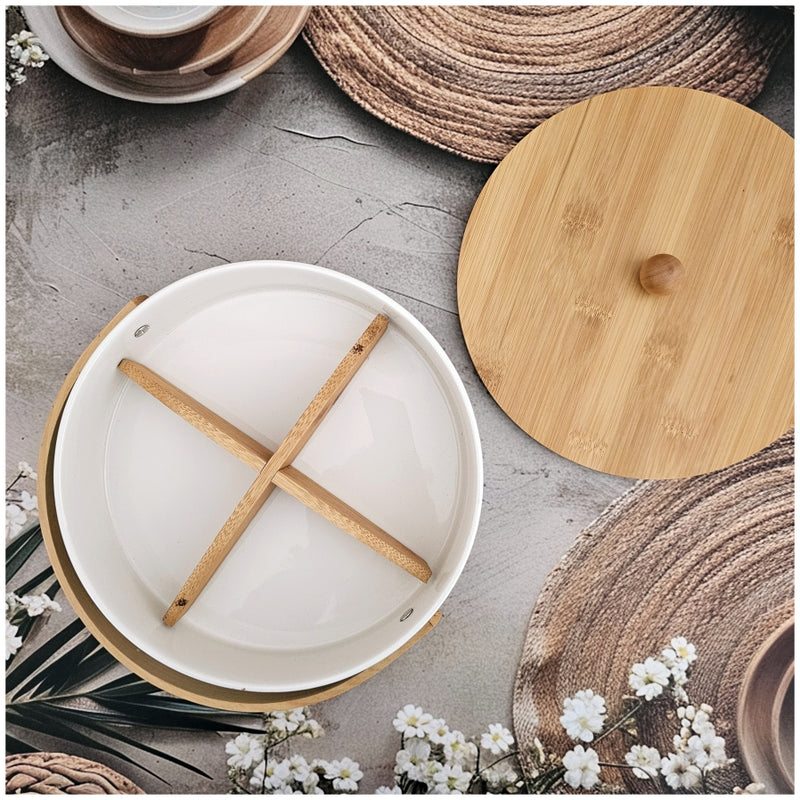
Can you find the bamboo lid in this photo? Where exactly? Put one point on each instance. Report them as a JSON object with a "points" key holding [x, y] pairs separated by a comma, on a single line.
{"points": [[625, 283]]}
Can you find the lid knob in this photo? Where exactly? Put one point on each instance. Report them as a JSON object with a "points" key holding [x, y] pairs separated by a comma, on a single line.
{"points": [[661, 274]]}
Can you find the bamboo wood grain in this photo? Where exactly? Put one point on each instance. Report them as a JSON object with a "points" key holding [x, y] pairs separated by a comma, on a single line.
{"points": [[290, 479], [263, 485], [109, 636], [667, 381]]}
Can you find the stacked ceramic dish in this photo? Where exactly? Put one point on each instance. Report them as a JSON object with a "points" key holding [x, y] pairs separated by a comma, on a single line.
{"points": [[166, 54], [144, 465]]}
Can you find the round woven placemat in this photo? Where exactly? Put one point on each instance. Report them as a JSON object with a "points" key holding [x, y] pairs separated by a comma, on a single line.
{"points": [[474, 80], [709, 558], [58, 773]]}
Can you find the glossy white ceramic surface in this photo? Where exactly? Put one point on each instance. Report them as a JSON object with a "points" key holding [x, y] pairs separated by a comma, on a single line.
{"points": [[140, 493], [147, 20]]}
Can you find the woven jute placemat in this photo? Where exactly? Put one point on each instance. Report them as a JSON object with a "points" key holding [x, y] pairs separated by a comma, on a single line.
{"points": [[709, 558], [474, 80], [59, 773]]}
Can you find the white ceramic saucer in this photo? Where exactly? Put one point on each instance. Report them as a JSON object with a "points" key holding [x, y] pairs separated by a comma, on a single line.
{"points": [[140, 493], [276, 34]]}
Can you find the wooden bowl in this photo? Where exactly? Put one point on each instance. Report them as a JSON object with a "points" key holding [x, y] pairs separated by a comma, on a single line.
{"points": [[184, 53], [146, 20], [765, 714]]}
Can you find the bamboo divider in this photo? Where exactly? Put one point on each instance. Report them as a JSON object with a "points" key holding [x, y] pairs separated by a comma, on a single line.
{"points": [[274, 469]]}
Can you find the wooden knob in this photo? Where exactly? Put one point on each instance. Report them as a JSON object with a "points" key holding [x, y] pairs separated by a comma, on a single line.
{"points": [[661, 274]]}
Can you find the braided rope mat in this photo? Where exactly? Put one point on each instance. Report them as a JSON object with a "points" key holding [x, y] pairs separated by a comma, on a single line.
{"points": [[708, 557], [474, 80], [58, 773]]}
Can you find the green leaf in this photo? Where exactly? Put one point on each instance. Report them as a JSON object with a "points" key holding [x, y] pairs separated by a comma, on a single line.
{"points": [[34, 582], [21, 549], [38, 657], [89, 721], [165, 716], [14, 745]]}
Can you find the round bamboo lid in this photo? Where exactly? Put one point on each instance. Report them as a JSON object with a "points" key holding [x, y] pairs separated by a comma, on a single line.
{"points": [[625, 283]]}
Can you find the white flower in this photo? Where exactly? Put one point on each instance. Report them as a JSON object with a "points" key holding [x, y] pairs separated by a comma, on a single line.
{"points": [[28, 501], [389, 790], [33, 56], [12, 604], [644, 760], [270, 774], [22, 39], [311, 784], [452, 777], [345, 775], [685, 652], [411, 721], [500, 776], [436, 731], [583, 767], [751, 788], [299, 768], [311, 729], [679, 771], [707, 750], [26, 470], [457, 749], [37, 604], [584, 715], [497, 740], [13, 642], [244, 751], [287, 721], [15, 520], [650, 678], [412, 760], [701, 722]]}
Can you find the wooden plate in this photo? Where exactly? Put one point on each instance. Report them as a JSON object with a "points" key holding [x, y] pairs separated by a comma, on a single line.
{"points": [[183, 53], [557, 322]]}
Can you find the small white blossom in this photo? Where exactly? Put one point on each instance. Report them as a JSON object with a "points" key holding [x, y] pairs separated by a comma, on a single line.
{"points": [[436, 731], [645, 761], [458, 750], [244, 751], [38, 603], [311, 729], [411, 720], [33, 56], [584, 715], [15, 520], [345, 775], [497, 740], [389, 790], [583, 767], [28, 501], [500, 776], [649, 679], [412, 760], [310, 784], [13, 642], [452, 777], [707, 750], [286, 721], [12, 604], [680, 772], [26, 470], [270, 774], [751, 788]]}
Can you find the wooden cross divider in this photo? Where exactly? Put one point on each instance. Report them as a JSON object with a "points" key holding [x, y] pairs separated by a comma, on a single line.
{"points": [[275, 469]]}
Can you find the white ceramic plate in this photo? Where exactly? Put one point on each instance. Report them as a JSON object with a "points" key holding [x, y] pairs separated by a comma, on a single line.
{"points": [[147, 20], [140, 493], [202, 85]]}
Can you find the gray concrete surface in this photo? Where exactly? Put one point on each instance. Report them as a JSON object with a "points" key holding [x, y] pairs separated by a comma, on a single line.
{"points": [[108, 199]]}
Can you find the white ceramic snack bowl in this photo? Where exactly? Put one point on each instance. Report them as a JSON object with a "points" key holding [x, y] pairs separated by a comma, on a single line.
{"points": [[140, 493]]}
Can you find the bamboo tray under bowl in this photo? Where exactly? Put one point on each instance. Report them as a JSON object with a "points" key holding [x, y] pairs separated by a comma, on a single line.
{"points": [[150, 455]]}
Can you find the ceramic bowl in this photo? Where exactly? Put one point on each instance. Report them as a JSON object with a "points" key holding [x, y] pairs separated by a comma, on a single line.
{"points": [[182, 53], [765, 715], [152, 21], [140, 493]]}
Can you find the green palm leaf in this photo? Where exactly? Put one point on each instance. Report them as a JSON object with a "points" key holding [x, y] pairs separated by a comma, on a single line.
{"points": [[64, 666]]}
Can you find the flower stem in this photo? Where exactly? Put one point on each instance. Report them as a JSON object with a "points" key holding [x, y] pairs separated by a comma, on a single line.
{"points": [[621, 721]]}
